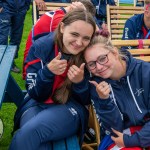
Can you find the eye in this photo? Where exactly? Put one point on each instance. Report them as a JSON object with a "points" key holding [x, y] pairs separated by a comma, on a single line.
{"points": [[87, 38], [91, 64], [102, 59]]}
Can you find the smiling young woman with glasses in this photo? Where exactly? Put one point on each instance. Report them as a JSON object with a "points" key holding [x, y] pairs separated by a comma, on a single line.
{"points": [[120, 93]]}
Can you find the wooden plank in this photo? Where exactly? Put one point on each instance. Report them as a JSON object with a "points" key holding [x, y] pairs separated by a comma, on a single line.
{"points": [[126, 11], [118, 21], [72, 143], [126, 7], [117, 31], [144, 58], [35, 17], [139, 51], [132, 42], [50, 7], [5, 67]]}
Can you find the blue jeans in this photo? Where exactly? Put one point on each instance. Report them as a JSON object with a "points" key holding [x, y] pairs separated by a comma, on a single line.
{"points": [[42, 124], [11, 27]]}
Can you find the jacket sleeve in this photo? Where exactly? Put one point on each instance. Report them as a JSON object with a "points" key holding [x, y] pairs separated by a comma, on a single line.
{"points": [[140, 138], [129, 31], [39, 79], [80, 91], [108, 112]]}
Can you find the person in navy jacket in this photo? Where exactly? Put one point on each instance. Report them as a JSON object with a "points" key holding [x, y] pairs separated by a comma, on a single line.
{"points": [[12, 15], [138, 26], [57, 90], [120, 93]]}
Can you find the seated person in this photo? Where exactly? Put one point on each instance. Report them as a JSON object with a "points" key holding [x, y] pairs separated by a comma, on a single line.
{"points": [[54, 106], [120, 93], [50, 20], [138, 26]]}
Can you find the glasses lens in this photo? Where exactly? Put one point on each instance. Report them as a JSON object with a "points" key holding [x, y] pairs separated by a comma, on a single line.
{"points": [[91, 65], [102, 59]]}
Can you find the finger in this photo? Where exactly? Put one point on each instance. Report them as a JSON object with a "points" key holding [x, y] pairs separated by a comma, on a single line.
{"points": [[94, 83], [116, 132], [58, 57], [82, 66], [113, 138]]}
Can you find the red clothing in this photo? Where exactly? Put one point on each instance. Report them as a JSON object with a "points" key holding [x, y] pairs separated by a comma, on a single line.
{"points": [[46, 23]]}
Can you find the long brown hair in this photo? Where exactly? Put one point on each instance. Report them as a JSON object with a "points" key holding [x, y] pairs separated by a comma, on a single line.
{"points": [[62, 93]]}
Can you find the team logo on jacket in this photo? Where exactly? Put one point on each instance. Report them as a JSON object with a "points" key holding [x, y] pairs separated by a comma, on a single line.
{"points": [[139, 91]]}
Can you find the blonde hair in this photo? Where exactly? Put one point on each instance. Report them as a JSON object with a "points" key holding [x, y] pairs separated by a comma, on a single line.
{"points": [[106, 44]]}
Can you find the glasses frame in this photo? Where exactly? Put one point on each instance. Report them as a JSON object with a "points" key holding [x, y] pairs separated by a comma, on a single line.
{"points": [[106, 55]]}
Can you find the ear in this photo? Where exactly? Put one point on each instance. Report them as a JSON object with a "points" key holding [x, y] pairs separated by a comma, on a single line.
{"points": [[116, 52], [62, 27]]}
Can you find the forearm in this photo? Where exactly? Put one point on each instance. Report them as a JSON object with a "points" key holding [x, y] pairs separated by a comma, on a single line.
{"points": [[39, 84]]}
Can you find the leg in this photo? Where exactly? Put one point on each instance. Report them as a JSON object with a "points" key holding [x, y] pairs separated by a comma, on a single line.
{"points": [[53, 123], [17, 29], [5, 21]]}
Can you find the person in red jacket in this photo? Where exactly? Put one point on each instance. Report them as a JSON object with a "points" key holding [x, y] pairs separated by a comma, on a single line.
{"points": [[50, 20]]}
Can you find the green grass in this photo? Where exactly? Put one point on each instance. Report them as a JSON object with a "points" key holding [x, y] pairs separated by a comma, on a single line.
{"points": [[8, 109]]}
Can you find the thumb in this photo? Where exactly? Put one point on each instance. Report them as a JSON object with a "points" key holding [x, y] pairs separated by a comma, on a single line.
{"points": [[58, 57], [115, 131], [94, 83], [82, 66]]}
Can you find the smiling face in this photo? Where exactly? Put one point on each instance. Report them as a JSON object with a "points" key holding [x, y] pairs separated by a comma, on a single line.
{"points": [[104, 68], [76, 36]]}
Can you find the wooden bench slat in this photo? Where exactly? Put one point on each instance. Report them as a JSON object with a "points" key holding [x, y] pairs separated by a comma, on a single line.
{"points": [[117, 16]]}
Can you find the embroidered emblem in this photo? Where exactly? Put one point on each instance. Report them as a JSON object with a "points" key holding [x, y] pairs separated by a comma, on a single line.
{"points": [[139, 91]]}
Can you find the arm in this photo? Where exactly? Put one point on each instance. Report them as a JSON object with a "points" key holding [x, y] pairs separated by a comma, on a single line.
{"points": [[81, 91], [80, 86], [129, 31], [39, 80], [105, 106]]}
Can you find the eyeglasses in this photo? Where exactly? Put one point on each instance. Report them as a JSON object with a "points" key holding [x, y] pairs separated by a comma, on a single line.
{"points": [[103, 59]]}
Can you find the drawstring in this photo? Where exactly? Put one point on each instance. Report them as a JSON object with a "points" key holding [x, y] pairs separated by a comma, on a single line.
{"points": [[115, 101], [133, 95], [42, 64]]}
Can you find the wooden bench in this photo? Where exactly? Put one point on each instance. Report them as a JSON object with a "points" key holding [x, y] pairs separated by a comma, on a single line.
{"points": [[143, 54], [11, 92], [117, 16], [50, 7]]}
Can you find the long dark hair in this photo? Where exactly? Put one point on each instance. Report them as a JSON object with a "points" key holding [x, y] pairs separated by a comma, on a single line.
{"points": [[62, 93]]}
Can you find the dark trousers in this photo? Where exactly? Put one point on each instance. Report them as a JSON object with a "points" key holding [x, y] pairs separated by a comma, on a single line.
{"points": [[11, 27], [42, 124]]}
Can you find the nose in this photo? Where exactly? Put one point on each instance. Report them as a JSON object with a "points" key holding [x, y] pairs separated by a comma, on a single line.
{"points": [[79, 41], [99, 66]]}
